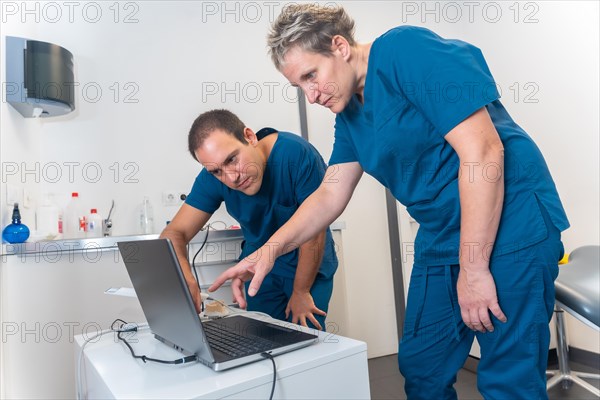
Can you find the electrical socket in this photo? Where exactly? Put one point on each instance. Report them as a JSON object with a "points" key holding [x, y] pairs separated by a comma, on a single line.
{"points": [[171, 198], [14, 194]]}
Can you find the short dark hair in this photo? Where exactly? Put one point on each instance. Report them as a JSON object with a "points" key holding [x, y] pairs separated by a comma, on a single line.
{"points": [[210, 121]]}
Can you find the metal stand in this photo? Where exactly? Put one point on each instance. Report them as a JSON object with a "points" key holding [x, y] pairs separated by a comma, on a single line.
{"points": [[563, 374]]}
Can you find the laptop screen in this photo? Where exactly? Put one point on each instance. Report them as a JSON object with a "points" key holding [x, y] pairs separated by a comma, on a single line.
{"points": [[164, 296]]}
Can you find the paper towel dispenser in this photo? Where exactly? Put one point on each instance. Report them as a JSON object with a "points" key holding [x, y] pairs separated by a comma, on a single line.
{"points": [[39, 78]]}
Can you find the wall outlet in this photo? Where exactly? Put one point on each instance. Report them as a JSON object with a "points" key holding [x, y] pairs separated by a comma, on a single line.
{"points": [[172, 198]]}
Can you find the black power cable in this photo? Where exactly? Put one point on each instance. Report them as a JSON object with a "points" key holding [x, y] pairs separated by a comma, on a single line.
{"points": [[198, 252], [125, 328], [270, 357], [144, 358]]}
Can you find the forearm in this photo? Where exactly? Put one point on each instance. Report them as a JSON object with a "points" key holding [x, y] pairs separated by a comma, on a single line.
{"points": [[314, 215], [309, 260], [180, 242], [481, 188], [319, 210]]}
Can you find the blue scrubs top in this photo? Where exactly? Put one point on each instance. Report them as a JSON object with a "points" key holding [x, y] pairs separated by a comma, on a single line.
{"points": [[418, 87], [294, 170]]}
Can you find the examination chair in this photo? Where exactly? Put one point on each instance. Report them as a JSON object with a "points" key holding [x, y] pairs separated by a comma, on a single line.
{"points": [[578, 293]]}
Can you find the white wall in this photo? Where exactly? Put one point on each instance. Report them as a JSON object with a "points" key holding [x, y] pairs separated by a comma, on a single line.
{"points": [[140, 86]]}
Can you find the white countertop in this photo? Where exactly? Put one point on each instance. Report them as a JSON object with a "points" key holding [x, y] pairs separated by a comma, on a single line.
{"points": [[126, 377]]}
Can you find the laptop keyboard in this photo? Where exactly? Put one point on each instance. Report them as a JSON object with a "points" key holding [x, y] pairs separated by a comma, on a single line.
{"points": [[228, 341]]}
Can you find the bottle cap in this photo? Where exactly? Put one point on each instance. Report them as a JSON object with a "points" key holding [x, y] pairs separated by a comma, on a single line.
{"points": [[93, 211], [16, 215], [74, 194]]}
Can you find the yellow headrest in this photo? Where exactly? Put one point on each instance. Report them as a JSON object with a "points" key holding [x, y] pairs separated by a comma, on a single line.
{"points": [[564, 260]]}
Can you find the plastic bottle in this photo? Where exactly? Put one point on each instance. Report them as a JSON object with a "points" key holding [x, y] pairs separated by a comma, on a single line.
{"points": [[146, 217], [94, 224], [60, 223], [47, 219], [16, 232], [74, 219]]}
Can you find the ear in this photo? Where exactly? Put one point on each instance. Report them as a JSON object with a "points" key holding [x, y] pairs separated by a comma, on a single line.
{"points": [[250, 136], [340, 45]]}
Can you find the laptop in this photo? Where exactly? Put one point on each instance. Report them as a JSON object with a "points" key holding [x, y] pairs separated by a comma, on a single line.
{"points": [[167, 304]]}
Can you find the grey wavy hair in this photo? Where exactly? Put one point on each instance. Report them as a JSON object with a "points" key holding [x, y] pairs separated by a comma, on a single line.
{"points": [[310, 26]]}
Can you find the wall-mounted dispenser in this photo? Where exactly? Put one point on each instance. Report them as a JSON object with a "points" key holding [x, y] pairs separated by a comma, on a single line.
{"points": [[39, 78]]}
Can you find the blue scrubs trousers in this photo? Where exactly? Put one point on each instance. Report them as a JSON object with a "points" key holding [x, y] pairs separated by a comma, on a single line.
{"points": [[514, 356], [276, 291]]}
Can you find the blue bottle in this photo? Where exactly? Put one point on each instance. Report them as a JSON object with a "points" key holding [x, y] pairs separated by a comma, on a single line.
{"points": [[15, 232]]}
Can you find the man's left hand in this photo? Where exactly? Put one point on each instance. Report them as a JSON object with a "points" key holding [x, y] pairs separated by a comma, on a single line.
{"points": [[303, 307]]}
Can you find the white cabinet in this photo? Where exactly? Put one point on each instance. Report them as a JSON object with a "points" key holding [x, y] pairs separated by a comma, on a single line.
{"points": [[56, 291], [52, 291]]}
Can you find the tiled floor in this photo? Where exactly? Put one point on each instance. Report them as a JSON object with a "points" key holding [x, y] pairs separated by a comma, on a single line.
{"points": [[387, 383]]}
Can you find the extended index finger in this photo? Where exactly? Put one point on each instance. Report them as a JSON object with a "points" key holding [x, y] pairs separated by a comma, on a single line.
{"points": [[256, 281], [231, 273]]}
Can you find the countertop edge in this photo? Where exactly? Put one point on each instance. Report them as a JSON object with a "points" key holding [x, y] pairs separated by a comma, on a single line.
{"points": [[110, 242]]}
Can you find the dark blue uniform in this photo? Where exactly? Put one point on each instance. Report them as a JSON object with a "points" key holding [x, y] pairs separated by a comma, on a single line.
{"points": [[418, 87], [294, 170]]}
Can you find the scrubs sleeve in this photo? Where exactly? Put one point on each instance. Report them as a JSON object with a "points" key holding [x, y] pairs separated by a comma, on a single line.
{"points": [[309, 176], [343, 150], [446, 80], [206, 194]]}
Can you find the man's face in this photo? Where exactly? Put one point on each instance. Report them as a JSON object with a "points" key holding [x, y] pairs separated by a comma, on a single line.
{"points": [[239, 166]]}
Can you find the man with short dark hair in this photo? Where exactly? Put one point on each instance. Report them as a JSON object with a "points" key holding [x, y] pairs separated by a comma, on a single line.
{"points": [[263, 178]]}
